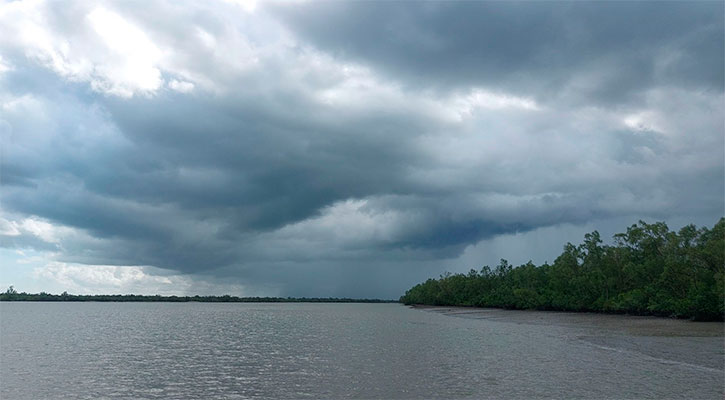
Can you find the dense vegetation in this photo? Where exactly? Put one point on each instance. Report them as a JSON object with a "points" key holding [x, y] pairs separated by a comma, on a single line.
{"points": [[649, 270], [12, 295]]}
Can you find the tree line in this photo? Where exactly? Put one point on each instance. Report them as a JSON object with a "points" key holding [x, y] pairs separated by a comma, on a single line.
{"points": [[649, 270], [13, 295]]}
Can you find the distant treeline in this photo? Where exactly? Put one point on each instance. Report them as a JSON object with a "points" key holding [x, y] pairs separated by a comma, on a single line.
{"points": [[12, 295], [649, 270]]}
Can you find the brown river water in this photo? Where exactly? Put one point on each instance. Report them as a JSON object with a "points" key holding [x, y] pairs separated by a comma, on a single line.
{"points": [[196, 350]]}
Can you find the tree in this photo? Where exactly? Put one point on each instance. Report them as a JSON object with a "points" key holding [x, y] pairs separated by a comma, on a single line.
{"points": [[648, 270]]}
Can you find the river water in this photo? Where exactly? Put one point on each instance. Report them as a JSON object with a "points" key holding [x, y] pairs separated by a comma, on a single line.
{"points": [[205, 350]]}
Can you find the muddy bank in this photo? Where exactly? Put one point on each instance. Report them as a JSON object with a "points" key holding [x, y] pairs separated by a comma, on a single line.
{"points": [[631, 324]]}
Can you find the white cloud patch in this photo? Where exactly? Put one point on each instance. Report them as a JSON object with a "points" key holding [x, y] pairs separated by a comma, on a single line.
{"points": [[116, 279], [35, 227], [247, 5], [112, 54], [131, 56], [181, 86], [479, 98], [44, 230], [355, 88], [83, 279], [348, 223], [8, 228], [643, 121]]}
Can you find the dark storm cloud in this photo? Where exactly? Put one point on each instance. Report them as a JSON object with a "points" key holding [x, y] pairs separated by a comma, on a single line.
{"points": [[537, 48], [272, 165], [405, 134]]}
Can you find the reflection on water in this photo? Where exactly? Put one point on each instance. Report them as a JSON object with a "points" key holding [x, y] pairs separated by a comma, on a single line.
{"points": [[191, 350]]}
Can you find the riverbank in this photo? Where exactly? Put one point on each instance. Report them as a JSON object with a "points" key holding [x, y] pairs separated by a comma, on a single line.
{"points": [[12, 295], [649, 270], [631, 324], [474, 310]]}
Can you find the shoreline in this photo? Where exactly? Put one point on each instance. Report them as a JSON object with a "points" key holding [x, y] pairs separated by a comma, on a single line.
{"points": [[639, 325], [592, 312], [135, 298]]}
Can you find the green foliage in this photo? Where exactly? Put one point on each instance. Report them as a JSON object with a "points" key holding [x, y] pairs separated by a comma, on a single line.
{"points": [[649, 270]]}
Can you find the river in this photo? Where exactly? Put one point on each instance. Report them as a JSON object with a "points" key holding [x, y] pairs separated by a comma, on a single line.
{"points": [[211, 350]]}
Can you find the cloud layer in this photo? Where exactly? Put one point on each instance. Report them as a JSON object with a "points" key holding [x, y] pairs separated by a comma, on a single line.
{"points": [[346, 148]]}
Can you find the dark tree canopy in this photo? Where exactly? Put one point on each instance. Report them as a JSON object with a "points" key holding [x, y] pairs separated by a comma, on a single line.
{"points": [[648, 270]]}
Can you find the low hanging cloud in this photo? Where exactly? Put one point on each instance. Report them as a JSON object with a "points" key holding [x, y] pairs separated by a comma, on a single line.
{"points": [[601, 53], [255, 146]]}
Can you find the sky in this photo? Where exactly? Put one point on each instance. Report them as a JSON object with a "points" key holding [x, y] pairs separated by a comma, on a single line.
{"points": [[350, 149]]}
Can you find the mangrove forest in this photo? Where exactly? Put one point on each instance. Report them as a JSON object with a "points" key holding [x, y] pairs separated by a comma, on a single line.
{"points": [[648, 270]]}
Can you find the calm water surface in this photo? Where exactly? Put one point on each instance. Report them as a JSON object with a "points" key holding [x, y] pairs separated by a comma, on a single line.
{"points": [[196, 350]]}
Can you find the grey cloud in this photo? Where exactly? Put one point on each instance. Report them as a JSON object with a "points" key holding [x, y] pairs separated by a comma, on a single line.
{"points": [[591, 51], [269, 170], [257, 179]]}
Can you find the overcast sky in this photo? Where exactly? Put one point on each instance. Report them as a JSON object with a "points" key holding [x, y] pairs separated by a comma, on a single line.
{"points": [[344, 148]]}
